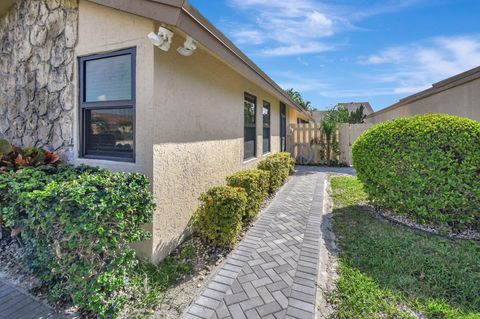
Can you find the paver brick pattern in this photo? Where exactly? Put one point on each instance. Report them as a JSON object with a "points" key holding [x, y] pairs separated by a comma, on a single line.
{"points": [[16, 304], [273, 271]]}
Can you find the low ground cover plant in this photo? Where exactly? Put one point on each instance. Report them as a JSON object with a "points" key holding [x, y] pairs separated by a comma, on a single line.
{"points": [[389, 271], [256, 185], [425, 167]]}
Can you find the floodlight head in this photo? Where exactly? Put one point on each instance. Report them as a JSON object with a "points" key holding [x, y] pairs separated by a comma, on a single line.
{"points": [[162, 40], [189, 47]]}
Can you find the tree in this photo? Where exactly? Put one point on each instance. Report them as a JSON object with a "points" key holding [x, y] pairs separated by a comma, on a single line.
{"points": [[357, 116], [329, 124], [297, 98]]}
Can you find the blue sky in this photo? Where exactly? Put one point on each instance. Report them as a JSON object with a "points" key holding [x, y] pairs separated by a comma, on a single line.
{"points": [[353, 50]]}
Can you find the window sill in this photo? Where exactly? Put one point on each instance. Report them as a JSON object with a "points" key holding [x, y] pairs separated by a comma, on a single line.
{"points": [[267, 153], [106, 159], [249, 160]]}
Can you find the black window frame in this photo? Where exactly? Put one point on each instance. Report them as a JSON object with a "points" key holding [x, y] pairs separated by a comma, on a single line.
{"points": [[266, 129], [252, 99], [106, 105], [283, 127]]}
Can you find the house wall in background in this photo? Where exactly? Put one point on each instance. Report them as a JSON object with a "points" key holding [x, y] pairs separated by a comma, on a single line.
{"points": [[459, 96]]}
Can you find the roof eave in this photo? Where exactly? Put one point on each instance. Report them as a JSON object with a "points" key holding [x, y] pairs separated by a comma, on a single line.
{"points": [[180, 14]]}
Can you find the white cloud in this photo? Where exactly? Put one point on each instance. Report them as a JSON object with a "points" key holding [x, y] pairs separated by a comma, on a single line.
{"points": [[416, 66], [299, 83], [300, 27], [297, 49], [289, 27]]}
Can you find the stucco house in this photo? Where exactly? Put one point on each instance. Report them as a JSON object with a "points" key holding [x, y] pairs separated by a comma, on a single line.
{"points": [[457, 95], [143, 85]]}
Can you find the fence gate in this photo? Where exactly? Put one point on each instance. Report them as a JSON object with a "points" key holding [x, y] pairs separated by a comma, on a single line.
{"points": [[308, 144]]}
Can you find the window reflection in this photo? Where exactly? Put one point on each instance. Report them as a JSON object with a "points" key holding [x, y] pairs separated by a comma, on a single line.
{"points": [[109, 132]]}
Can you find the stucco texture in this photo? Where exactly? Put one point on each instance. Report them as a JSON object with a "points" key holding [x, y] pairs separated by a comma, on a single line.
{"points": [[198, 139], [189, 119], [462, 100]]}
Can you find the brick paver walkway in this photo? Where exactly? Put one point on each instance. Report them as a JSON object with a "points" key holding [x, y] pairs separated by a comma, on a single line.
{"points": [[16, 304], [273, 271]]}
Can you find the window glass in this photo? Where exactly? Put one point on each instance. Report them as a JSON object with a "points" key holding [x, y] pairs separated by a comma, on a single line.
{"points": [[109, 132], [266, 127], [108, 79], [249, 111]]}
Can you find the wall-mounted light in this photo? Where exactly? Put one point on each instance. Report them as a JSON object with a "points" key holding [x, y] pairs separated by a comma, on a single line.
{"points": [[163, 39], [189, 47]]}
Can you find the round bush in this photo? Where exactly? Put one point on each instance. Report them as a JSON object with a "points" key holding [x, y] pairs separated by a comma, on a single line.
{"points": [[425, 167], [219, 217]]}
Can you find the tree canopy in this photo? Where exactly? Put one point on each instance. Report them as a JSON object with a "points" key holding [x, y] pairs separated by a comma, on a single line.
{"points": [[297, 98]]}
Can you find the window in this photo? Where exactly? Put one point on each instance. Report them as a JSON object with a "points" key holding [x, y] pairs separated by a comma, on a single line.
{"points": [[266, 127], [301, 121], [249, 111], [107, 106], [283, 127]]}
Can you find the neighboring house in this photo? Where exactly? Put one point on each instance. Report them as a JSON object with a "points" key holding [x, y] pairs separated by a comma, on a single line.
{"points": [[457, 95], [82, 78], [351, 107]]}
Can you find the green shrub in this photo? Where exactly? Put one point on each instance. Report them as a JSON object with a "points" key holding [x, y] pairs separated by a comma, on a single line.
{"points": [[256, 185], [279, 165], [27, 179], [287, 159], [219, 218], [426, 167], [78, 224]]}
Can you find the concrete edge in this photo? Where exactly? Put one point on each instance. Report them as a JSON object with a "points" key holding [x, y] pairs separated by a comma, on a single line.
{"points": [[328, 257]]}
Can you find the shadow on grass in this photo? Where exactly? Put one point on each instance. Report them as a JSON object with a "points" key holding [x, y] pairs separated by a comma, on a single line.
{"points": [[424, 270]]}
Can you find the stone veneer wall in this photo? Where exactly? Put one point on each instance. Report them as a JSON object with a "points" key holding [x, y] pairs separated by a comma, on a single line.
{"points": [[37, 39]]}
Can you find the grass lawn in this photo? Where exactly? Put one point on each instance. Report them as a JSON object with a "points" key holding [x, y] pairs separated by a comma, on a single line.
{"points": [[389, 271]]}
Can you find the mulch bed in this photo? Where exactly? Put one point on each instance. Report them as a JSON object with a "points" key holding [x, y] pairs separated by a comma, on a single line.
{"points": [[437, 230]]}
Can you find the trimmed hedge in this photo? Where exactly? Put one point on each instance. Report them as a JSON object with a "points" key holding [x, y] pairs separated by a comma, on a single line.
{"points": [[426, 167], [279, 165], [256, 185], [219, 217], [27, 179], [78, 224]]}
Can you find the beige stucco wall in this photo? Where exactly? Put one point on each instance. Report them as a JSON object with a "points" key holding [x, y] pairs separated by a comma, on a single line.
{"points": [[198, 139], [100, 30], [189, 119], [462, 100]]}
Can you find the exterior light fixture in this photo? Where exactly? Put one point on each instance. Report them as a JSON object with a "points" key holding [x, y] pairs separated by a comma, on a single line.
{"points": [[162, 40], [189, 47]]}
